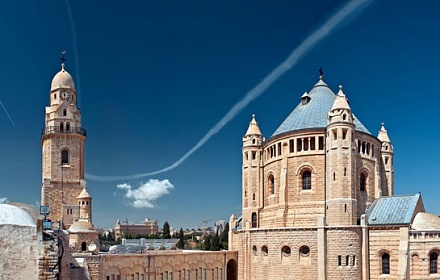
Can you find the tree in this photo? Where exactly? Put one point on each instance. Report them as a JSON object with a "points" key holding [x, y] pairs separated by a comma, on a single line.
{"points": [[207, 242], [224, 237], [181, 243], [166, 231], [215, 242]]}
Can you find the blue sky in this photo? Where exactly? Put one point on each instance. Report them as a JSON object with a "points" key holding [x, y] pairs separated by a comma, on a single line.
{"points": [[155, 76]]}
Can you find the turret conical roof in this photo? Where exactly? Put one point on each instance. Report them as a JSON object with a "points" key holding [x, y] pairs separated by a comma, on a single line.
{"points": [[253, 128], [84, 194], [383, 134]]}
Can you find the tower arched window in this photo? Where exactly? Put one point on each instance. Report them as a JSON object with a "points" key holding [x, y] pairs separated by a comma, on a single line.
{"points": [[271, 182], [307, 180], [64, 112], [385, 263], [61, 127], [433, 263], [254, 220], [64, 157], [67, 126], [362, 182]]}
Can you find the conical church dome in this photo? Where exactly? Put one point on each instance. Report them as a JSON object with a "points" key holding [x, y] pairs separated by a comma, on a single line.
{"points": [[311, 112]]}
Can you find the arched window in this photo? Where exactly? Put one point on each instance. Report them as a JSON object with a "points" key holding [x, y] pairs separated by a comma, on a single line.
{"points": [[67, 126], [433, 260], [61, 127], [83, 246], [264, 251], [306, 180], [64, 157], [64, 112], [385, 263], [362, 182], [271, 181], [254, 220]]}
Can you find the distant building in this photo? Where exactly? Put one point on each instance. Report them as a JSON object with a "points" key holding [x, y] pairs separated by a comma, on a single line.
{"points": [[219, 226], [147, 227]]}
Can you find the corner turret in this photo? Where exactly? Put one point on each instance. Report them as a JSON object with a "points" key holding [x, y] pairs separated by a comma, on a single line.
{"points": [[341, 203], [388, 159], [251, 172]]}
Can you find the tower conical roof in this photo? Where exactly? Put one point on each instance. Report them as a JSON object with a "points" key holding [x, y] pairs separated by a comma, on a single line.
{"points": [[84, 194], [253, 128], [62, 80], [313, 114], [383, 134], [341, 101]]}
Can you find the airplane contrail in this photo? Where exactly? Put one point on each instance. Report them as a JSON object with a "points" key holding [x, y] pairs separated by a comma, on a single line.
{"points": [[313, 39], [7, 114], [75, 53]]}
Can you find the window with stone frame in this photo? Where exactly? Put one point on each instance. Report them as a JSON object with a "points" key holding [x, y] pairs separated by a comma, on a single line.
{"points": [[271, 183], [306, 180], [385, 263], [64, 157], [254, 219], [362, 182], [433, 263]]}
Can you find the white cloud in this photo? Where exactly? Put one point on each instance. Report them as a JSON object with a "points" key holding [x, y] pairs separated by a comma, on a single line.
{"points": [[3, 200], [147, 193]]}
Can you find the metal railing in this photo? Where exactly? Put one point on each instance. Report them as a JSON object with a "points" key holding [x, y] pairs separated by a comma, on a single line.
{"points": [[64, 130]]}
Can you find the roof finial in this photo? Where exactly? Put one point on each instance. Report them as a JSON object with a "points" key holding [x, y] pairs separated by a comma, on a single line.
{"points": [[63, 53], [320, 73]]}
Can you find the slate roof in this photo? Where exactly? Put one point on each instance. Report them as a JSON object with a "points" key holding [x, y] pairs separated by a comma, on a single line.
{"points": [[314, 113], [133, 246], [392, 210]]}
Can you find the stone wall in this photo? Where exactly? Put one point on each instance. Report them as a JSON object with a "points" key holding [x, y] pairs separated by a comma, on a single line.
{"points": [[54, 257], [344, 253], [384, 240], [421, 245], [18, 252], [160, 265]]}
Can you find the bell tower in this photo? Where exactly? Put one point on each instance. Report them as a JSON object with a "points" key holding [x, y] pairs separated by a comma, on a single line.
{"points": [[62, 142]]}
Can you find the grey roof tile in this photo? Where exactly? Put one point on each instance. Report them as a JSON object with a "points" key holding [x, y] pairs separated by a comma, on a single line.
{"points": [[314, 113], [392, 210]]}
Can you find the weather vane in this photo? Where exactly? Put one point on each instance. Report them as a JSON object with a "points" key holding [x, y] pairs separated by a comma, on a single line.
{"points": [[62, 56], [320, 71]]}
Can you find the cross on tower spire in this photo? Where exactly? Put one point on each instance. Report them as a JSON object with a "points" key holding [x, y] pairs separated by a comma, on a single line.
{"points": [[63, 53]]}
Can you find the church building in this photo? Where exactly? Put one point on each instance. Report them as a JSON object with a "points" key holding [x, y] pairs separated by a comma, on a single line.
{"points": [[318, 201]]}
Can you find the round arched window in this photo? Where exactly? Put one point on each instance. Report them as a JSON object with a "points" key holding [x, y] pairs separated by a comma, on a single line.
{"points": [[304, 251]]}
